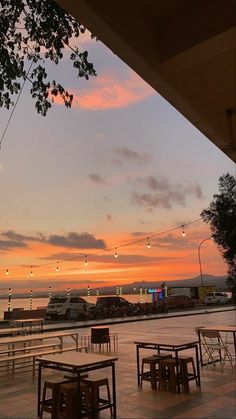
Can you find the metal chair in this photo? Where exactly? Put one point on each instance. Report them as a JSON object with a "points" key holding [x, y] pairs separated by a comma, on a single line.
{"points": [[215, 348], [100, 338]]}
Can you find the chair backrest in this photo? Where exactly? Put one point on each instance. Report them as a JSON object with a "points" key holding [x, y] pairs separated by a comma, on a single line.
{"points": [[210, 334], [100, 335], [211, 337]]}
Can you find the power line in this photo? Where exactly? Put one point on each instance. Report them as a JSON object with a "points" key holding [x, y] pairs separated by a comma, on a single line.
{"points": [[83, 256], [14, 107]]}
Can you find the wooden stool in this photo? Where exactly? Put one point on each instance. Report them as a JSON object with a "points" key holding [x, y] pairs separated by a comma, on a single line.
{"points": [[67, 404], [152, 375], [50, 405], [168, 374], [96, 401], [187, 376]]}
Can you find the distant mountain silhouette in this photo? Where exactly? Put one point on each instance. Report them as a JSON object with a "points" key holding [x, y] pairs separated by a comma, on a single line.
{"points": [[218, 281]]}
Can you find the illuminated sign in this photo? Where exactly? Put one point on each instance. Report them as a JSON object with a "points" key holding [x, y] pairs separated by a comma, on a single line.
{"points": [[154, 290]]}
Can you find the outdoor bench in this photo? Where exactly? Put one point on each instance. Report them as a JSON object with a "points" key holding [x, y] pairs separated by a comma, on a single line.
{"points": [[9, 360], [28, 348]]}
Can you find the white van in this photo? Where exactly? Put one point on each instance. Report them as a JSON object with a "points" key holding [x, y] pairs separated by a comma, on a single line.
{"points": [[216, 298], [68, 308]]}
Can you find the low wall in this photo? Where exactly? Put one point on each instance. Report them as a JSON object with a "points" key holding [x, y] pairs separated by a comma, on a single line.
{"points": [[25, 314]]}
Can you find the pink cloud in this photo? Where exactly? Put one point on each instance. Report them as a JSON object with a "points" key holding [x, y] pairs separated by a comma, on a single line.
{"points": [[108, 92]]}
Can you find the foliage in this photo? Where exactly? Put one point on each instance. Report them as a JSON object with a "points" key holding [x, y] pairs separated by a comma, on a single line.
{"points": [[34, 31], [221, 216]]}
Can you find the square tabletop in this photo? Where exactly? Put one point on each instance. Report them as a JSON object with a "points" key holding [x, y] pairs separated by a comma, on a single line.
{"points": [[169, 342], [219, 328], [77, 360]]}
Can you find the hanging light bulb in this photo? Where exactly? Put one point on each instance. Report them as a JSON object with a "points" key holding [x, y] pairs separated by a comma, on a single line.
{"points": [[116, 254], [86, 260], [31, 271], [57, 268], [148, 243], [7, 272], [183, 232]]}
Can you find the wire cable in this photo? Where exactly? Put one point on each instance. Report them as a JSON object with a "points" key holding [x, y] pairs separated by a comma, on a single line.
{"points": [[14, 107], [82, 255]]}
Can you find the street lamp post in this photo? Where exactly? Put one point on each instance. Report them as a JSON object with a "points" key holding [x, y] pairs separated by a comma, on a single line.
{"points": [[199, 259]]}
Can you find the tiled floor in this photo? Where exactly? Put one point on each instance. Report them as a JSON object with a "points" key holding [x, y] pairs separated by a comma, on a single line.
{"points": [[215, 399]]}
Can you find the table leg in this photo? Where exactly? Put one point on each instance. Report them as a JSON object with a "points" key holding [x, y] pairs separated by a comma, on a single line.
{"points": [[39, 388], [177, 370], [61, 342], [138, 368], [79, 397], [200, 347], [114, 389], [234, 337], [197, 361], [77, 341]]}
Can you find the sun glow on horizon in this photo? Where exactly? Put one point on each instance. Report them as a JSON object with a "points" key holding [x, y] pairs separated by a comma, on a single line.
{"points": [[171, 257]]}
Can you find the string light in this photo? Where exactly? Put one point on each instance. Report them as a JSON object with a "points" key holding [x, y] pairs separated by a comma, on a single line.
{"points": [[147, 239], [31, 271]]}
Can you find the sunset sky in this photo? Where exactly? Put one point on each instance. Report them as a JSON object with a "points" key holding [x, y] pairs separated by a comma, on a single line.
{"points": [[120, 166]]}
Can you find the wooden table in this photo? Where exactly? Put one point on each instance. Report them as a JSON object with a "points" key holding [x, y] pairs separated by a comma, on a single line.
{"points": [[221, 329], [169, 345], [12, 341], [78, 363], [10, 331], [29, 322]]}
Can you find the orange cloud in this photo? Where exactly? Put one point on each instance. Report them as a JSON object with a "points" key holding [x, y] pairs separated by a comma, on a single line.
{"points": [[108, 92], [170, 257]]}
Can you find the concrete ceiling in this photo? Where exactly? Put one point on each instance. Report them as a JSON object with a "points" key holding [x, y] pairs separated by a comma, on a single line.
{"points": [[185, 49]]}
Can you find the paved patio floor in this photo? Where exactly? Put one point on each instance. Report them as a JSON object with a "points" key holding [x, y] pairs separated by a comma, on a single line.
{"points": [[215, 399]]}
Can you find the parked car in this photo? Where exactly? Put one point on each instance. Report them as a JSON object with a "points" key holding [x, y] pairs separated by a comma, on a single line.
{"points": [[217, 298], [179, 301], [112, 302], [68, 308]]}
